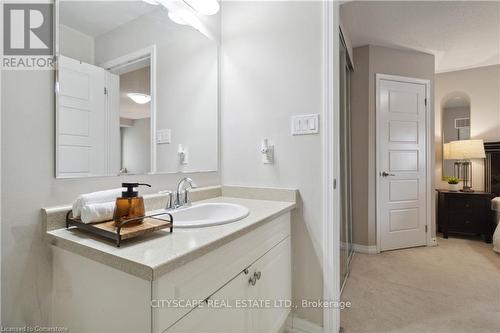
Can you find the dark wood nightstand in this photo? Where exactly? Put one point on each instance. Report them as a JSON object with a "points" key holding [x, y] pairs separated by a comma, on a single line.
{"points": [[465, 212]]}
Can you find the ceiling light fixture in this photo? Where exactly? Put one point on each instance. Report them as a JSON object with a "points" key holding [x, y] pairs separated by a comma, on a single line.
{"points": [[139, 98], [204, 7]]}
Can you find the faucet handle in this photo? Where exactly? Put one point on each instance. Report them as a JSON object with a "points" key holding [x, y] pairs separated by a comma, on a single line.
{"points": [[170, 200]]}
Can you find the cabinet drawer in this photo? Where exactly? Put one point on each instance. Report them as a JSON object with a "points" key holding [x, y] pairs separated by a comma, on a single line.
{"points": [[464, 222], [202, 277], [465, 204]]}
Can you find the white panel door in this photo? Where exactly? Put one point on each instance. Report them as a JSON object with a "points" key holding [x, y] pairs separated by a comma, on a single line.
{"points": [[401, 129], [80, 119]]}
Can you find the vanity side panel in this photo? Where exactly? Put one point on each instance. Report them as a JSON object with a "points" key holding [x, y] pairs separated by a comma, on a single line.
{"points": [[91, 297]]}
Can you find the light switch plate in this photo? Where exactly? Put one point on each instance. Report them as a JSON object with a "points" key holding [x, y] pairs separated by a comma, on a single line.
{"points": [[305, 124], [164, 136]]}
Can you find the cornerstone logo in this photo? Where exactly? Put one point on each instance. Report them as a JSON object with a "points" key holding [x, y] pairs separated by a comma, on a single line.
{"points": [[28, 36]]}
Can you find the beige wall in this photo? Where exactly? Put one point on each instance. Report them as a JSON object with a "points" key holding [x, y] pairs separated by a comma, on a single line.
{"points": [[273, 66], [482, 86], [370, 60]]}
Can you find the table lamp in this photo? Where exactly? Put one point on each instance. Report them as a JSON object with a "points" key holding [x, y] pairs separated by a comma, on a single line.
{"points": [[463, 152]]}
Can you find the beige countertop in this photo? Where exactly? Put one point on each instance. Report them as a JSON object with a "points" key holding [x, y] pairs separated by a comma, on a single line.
{"points": [[153, 255]]}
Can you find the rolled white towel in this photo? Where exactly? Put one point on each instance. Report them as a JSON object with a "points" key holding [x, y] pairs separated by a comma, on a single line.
{"points": [[94, 198], [98, 212]]}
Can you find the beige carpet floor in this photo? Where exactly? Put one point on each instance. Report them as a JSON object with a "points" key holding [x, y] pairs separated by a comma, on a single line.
{"points": [[451, 288]]}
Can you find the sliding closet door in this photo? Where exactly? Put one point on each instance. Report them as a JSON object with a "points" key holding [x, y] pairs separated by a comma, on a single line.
{"points": [[345, 166], [344, 247]]}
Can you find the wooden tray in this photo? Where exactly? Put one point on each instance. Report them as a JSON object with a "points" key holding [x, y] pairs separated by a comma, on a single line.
{"points": [[127, 229]]}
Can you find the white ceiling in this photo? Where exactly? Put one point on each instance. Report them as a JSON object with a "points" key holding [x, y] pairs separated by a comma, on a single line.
{"points": [[460, 34], [95, 18]]}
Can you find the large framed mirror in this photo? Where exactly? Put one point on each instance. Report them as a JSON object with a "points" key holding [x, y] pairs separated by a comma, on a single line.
{"points": [[136, 87], [456, 125]]}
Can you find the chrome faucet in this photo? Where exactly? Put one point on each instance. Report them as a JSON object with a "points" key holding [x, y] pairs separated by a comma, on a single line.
{"points": [[182, 196]]}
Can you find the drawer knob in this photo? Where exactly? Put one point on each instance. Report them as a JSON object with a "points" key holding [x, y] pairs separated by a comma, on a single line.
{"points": [[467, 205], [253, 280]]}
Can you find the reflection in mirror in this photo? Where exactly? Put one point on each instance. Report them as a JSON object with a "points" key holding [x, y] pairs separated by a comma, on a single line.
{"points": [[137, 91], [456, 125], [135, 119]]}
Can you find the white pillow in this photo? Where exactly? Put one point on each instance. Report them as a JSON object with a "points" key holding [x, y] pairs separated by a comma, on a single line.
{"points": [[495, 204]]}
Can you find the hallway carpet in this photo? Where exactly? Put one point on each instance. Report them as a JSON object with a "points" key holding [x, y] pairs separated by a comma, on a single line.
{"points": [[451, 288]]}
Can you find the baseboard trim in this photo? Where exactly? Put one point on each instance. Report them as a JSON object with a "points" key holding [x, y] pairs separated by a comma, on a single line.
{"points": [[368, 249], [296, 324]]}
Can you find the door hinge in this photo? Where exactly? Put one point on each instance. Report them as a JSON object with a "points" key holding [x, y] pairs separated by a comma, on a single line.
{"points": [[335, 184], [105, 91], [425, 228], [425, 101]]}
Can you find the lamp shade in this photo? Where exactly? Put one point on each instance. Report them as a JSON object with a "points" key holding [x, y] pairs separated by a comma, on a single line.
{"points": [[446, 151], [464, 150]]}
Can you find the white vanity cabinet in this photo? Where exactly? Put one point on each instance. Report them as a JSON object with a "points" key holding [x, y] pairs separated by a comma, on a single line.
{"points": [[254, 301], [224, 274], [89, 296]]}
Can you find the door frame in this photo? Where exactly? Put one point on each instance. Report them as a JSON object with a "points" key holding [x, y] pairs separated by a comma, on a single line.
{"points": [[331, 167], [429, 136], [127, 59]]}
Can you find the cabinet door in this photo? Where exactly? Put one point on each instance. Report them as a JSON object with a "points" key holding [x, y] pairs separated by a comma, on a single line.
{"points": [[274, 287], [220, 314]]}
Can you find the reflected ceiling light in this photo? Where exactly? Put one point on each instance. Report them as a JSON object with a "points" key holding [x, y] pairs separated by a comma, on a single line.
{"points": [[139, 98], [151, 2], [204, 7]]}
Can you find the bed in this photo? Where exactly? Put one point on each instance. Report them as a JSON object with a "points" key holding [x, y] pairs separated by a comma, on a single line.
{"points": [[492, 184]]}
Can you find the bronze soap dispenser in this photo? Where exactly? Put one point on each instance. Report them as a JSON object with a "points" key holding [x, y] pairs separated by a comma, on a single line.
{"points": [[130, 205]]}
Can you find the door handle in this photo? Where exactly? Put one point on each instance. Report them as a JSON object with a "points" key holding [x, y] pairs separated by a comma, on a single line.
{"points": [[386, 174]]}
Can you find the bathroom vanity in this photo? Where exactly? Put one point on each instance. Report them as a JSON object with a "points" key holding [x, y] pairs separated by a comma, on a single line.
{"points": [[234, 277]]}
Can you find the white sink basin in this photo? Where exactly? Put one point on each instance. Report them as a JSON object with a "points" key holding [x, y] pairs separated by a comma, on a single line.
{"points": [[208, 214]]}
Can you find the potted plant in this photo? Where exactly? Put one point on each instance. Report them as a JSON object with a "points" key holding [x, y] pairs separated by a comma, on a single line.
{"points": [[453, 183]]}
